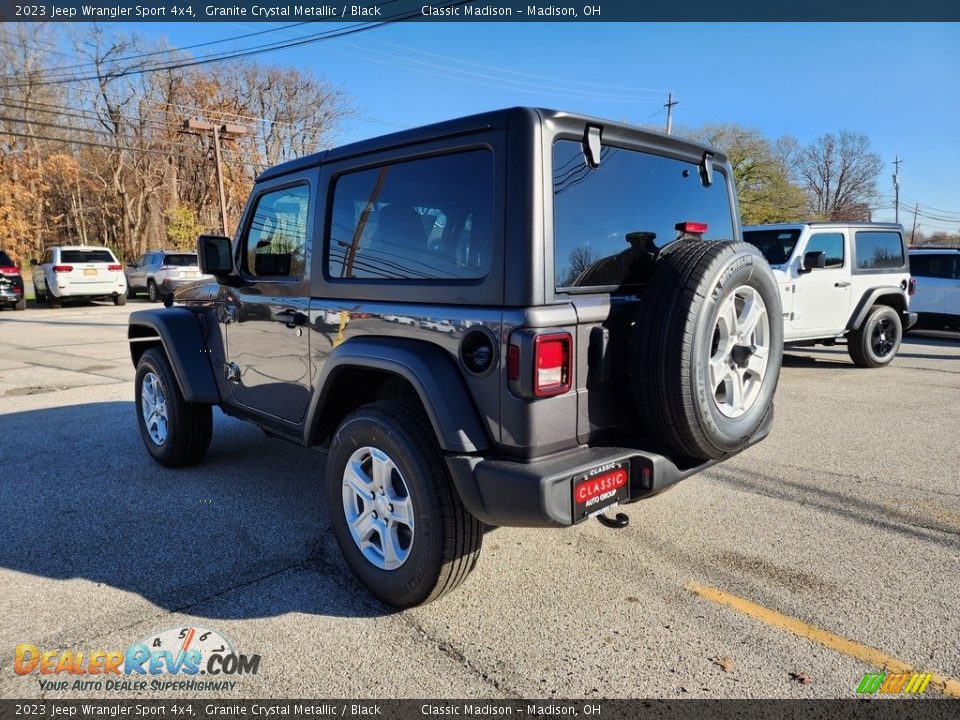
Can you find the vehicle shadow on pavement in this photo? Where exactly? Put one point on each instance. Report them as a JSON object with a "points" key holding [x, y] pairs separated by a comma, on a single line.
{"points": [[243, 534]]}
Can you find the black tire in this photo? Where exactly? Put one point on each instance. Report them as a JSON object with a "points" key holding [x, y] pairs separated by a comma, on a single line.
{"points": [[446, 539], [21, 304], [676, 333], [53, 302], [131, 293], [153, 293], [189, 425], [876, 342]]}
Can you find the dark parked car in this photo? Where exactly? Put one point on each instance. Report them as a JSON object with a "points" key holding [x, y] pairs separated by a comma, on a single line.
{"points": [[616, 340], [11, 284]]}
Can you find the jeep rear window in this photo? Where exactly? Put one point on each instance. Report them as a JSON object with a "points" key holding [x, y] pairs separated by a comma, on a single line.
{"points": [[603, 217], [86, 256], [180, 260], [776, 245], [426, 219]]}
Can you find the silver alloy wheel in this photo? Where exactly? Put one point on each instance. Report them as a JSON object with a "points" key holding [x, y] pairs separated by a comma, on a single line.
{"points": [[378, 508], [153, 406], [739, 351]]}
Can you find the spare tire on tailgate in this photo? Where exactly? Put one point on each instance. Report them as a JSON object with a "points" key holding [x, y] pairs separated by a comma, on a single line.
{"points": [[707, 347]]}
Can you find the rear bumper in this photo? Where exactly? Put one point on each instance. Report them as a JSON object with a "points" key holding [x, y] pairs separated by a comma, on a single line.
{"points": [[91, 290], [11, 294], [540, 494]]}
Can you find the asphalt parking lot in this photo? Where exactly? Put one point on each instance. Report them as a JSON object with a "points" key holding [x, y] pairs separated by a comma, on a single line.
{"points": [[788, 572]]}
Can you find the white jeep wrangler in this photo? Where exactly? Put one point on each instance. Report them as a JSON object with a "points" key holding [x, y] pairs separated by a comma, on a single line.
{"points": [[841, 280]]}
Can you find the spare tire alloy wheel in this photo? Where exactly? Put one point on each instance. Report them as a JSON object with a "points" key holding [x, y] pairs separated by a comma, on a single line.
{"points": [[378, 508], [707, 348], [739, 351]]}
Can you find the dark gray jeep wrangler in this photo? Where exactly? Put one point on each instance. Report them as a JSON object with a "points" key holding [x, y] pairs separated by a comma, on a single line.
{"points": [[518, 318]]}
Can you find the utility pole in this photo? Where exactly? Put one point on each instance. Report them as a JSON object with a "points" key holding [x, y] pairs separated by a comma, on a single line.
{"points": [[227, 131], [916, 209], [669, 106], [896, 186]]}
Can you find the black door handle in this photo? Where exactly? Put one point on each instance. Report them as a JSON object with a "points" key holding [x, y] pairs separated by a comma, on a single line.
{"points": [[292, 318], [841, 284]]}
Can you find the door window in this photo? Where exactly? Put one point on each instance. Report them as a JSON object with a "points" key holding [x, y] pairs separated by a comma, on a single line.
{"points": [[276, 239], [933, 266], [829, 243]]}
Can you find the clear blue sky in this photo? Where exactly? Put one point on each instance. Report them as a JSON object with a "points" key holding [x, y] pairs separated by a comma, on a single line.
{"points": [[898, 83]]}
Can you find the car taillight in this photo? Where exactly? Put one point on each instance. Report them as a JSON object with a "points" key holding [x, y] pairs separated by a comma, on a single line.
{"points": [[10, 270], [552, 363], [114, 268], [912, 286], [63, 268]]}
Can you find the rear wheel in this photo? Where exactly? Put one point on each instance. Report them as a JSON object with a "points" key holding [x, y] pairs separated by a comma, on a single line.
{"points": [[176, 433], [707, 349], [119, 299], [131, 293], [53, 302], [876, 342], [397, 519], [152, 292], [21, 304]]}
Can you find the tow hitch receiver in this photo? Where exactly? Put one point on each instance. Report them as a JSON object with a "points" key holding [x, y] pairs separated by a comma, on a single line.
{"points": [[620, 521]]}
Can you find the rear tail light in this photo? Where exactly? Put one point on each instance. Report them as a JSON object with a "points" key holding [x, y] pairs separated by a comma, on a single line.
{"points": [[552, 363], [114, 268], [63, 268], [912, 286], [10, 270]]}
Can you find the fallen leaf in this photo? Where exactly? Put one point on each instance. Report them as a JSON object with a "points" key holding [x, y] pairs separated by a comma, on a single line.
{"points": [[801, 678], [725, 664]]}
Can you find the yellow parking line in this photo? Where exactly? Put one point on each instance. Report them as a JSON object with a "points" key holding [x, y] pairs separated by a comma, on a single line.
{"points": [[947, 685]]}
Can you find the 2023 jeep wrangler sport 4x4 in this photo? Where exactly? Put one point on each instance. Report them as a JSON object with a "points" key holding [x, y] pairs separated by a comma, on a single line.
{"points": [[519, 318]]}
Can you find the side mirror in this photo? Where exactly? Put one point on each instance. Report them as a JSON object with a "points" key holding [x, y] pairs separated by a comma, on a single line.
{"points": [[213, 255], [33, 261], [814, 261]]}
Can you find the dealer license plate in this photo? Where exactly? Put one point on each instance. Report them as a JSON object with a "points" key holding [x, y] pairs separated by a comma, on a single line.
{"points": [[600, 488]]}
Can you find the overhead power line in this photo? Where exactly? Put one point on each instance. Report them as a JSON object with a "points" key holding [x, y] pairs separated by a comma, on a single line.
{"points": [[233, 55]]}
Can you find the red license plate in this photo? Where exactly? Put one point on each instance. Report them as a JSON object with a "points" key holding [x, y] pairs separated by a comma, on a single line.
{"points": [[600, 488]]}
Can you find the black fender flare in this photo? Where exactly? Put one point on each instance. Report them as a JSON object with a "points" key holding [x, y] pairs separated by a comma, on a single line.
{"points": [[869, 299], [432, 373], [183, 334]]}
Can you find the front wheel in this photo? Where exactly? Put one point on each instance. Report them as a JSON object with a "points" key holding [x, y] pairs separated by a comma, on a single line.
{"points": [[176, 433], [395, 515], [876, 342]]}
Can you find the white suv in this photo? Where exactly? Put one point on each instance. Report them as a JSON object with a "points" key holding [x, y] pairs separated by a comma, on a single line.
{"points": [[841, 280], [78, 272], [937, 272]]}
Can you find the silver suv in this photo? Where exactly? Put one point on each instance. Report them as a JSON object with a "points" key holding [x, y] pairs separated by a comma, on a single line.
{"points": [[160, 272]]}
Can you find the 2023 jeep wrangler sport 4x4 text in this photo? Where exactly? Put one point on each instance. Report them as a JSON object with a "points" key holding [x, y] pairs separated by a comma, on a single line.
{"points": [[520, 318]]}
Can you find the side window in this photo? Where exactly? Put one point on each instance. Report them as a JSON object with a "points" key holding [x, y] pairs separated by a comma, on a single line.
{"points": [[427, 219], [879, 250], [139, 261], [829, 243], [934, 266], [276, 238]]}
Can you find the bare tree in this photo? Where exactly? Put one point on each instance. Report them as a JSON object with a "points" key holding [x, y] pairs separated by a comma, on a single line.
{"points": [[839, 173]]}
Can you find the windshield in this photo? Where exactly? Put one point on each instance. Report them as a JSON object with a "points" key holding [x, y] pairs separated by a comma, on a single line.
{"points": [[606, 218], [86, 256], [180, 260], [776, 245]]}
